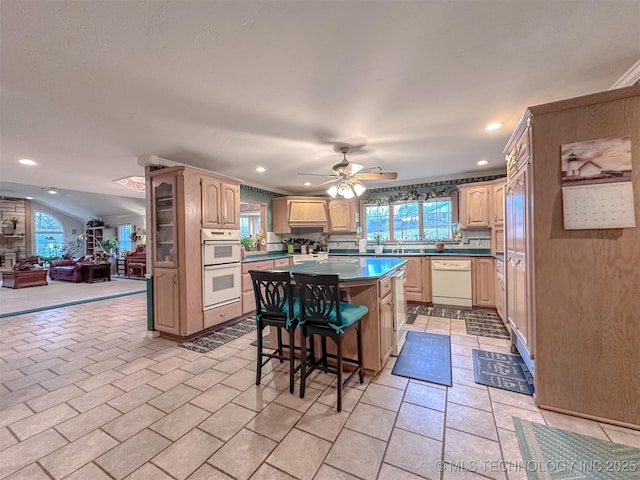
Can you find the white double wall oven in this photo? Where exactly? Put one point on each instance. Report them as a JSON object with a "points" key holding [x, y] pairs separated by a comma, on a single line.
{"points": [[221, 268]]}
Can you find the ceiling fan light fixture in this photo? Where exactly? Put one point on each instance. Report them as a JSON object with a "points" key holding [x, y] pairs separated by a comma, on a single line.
{"points": [[358, 187], [333, 191]]}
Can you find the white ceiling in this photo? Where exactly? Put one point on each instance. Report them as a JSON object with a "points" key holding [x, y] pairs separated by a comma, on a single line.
{"points": [[228, 86]]}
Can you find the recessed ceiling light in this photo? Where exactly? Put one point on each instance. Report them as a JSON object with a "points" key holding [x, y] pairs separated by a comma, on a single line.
{"points": [[26, 161], [482, 162], [29, 198], [493, 126], [307, 184], [52, 191], [260, 169]]}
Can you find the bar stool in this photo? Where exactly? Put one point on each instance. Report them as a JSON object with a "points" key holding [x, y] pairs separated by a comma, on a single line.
{"points": [[322, 313], [275, 306]]}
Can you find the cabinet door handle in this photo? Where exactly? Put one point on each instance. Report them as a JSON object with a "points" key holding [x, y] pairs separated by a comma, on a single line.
{"points": [[468, 220], [218, 219]]}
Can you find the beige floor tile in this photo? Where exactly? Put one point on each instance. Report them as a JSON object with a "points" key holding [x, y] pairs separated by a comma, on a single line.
{"points": [[78, 453], [186, 455], [207, 472], [453, 472], [227, 421], [414, 453], [172, 399], [99, 380], [215, 398], [323, 421], [132, 454], [207, 379], [383, 396], [180, 421], [135, 366], [241, 456], [134, 398], [574, 424], [509, 446], [503, 415], [28, 380], [293, 400], [470, 397], [620, 435], [463, 376], [471, 420], [54, 398], [22, 454], [373, 421], [327, 472], [222, 353], [133, 422], [31, 472], [14, 413], [514, 399], [149, 472], [232, 365], [389, 472], [165, 366], [388, 379], [257, 397], [89, 472], [42, 421], [357, 454], [240, 380], [103, 366], [465, 350], [274, 421], [6, 438], [351, 395], [473, 453], [421, 420], [200, 365], [86, 422], [426, 396], [462, 361], [468, 340], [267, 472], [300, 454], [94, 398], [169, 380], [134, 380], [22, 395]]}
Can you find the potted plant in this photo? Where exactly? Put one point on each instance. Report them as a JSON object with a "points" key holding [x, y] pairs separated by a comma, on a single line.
{"points": [[247, 243], [378, 243]]}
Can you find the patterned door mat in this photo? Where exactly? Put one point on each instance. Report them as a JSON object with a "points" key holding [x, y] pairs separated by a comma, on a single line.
{"points": [[551, 453], [500, 370], [212, 340], [484, 324], [425, 356]]}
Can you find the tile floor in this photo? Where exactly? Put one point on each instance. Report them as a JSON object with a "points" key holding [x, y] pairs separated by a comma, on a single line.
{"points": [[84, 395]]}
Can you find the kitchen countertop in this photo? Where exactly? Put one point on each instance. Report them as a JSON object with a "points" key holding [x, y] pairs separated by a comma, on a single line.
{"points": [[351, 270], [261, 257], [458, 252]]}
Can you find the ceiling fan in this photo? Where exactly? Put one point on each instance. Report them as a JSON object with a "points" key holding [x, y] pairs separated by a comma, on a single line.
{"points": [[348, 176]]}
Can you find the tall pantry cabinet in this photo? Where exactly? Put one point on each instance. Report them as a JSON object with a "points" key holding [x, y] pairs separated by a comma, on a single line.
{"points": [[572, 295], [182, 203]]}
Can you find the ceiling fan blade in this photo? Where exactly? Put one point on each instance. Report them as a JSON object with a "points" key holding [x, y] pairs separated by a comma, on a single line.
{"points": [[352, 168], [376, 176], [318, 175], [323, 183]]}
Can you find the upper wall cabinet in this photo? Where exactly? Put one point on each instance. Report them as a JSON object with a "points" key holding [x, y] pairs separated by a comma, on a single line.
{"points": [[220, 204], [475, 201], [291, 212], [497, 217], [342, 216]]}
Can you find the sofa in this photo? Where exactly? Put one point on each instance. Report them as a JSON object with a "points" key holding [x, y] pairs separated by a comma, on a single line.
{"points": [[68, 269]]}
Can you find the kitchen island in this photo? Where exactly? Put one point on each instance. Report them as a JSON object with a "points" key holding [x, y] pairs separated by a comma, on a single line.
{"points": [[364, 281]]}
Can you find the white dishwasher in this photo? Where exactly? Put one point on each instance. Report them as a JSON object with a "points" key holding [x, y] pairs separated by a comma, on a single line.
{"points": [[451, 282]]}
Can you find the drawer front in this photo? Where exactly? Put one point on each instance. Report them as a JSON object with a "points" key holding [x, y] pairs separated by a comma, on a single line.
{"points": [[265, 265], [282, 262], [248, 302], [246, 283], [385, 287], [219, 315]]}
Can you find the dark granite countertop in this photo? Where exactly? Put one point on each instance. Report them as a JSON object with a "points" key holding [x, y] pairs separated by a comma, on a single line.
{"points": [[261, 257], [349, 270], [458, 252]]}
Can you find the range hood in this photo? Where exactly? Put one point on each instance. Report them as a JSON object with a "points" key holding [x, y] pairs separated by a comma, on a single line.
{"points": [[308, 214]]}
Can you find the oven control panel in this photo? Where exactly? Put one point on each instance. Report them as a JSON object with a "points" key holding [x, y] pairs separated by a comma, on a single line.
{"points": [[212, 235]]}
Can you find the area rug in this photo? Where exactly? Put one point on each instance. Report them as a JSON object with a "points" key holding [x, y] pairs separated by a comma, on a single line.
{"points": [[214, 339], [425, 356], [501, 370], [550, 453], [478, 322]]}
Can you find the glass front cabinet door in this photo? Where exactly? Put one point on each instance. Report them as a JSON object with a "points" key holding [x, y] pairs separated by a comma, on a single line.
{"points": [[164, 207]]}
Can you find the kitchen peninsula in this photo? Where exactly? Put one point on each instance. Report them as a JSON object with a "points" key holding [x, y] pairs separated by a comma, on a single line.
{"points": [[365, 281]]}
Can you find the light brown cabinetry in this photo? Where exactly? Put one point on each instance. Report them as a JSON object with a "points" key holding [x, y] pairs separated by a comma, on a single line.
{"points": [[497, 218], [248, 298], [483, 282], [292, 212], [500, 288], [177, 215], [414, 275], [475, 206], [341, 215], [220, 204], [386, 327]]}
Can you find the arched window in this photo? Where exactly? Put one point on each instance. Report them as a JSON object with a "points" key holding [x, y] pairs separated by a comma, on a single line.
{"points": [[49, 235]]}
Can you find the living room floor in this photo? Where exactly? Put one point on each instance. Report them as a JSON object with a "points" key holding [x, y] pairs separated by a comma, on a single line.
{"points": [[85, 395]]}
